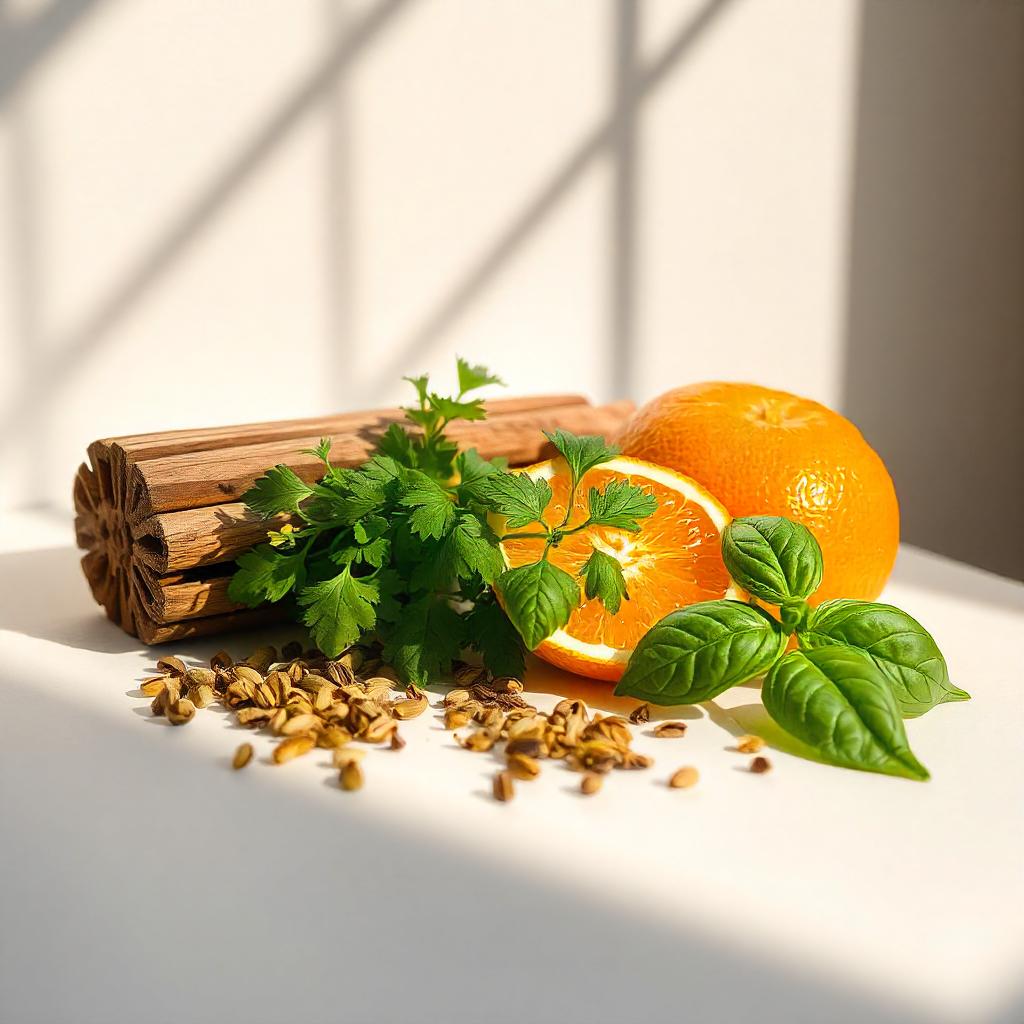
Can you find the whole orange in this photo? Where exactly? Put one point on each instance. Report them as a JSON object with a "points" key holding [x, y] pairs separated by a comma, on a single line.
{"points": [[764, 452]]}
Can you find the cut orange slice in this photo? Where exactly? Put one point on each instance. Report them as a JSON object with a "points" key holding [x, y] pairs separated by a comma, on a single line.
{"points": [[675, 560]]}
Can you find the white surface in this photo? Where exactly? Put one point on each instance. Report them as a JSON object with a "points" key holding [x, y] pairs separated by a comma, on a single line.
{"points": [[144, 880]]}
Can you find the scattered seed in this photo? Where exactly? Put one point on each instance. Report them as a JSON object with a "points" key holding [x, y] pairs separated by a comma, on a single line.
{"points": [[591, 783], [684, 778], [351, 776], [670, 730], [172, 666], [760, 765], [455, 718], [202, 695], [293, 746], [411, 707], [300, 725], [153, 686], [504, 789], [480, 741], [397, 743], [220, 661], [262, 658], [749, 744], [523, 766], [180, 711], [246, 675], [243, 755], [640, 714]]}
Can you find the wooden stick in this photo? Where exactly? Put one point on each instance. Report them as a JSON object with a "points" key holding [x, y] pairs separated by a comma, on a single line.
{"points": [[199, 479], [208, 535], [154, 516]]}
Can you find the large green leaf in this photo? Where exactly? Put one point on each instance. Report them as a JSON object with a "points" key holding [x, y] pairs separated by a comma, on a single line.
{"points": [[538, 598], [897, 643], [837, 701], [695, 653], [772, 558]]}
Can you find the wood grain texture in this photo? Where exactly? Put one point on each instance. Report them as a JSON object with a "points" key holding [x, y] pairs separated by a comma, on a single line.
{"points": [[160, 522]]}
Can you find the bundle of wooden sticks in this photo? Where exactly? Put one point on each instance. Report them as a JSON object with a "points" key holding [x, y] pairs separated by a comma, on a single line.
{"points": [[160, 520]]}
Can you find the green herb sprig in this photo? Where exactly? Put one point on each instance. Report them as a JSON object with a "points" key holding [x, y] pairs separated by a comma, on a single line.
{"points": [[401, 549], [859, 669]]}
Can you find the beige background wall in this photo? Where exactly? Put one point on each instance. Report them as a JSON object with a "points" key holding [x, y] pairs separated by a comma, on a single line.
{"points": [[221, 210]]}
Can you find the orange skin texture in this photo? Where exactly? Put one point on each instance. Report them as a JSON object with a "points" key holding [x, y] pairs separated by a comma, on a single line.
{"points": [[765, 452]]}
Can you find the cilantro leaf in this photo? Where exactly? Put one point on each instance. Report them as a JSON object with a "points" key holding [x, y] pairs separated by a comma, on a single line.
{"points": [[452, 409], [539, 599], [469, 548], [278, 490], [339, 610], [516, 496], [603, 575], [492, 634], [427, 636], [620, 505], [397, 443], [420, 383], [371, 545], [473, 377], [322, 451], [472, 470], [581, 453], [266, 574], [432, 507]]}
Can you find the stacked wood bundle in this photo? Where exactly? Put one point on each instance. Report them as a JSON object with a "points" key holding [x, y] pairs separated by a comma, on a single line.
{"points": [[160, 519]]}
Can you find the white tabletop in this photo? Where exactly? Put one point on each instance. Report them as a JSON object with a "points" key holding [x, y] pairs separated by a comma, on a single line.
{"points": [[143, 880]]}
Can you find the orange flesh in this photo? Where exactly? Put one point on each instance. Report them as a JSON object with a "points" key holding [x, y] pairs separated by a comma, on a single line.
{"points": [[674, 561]]}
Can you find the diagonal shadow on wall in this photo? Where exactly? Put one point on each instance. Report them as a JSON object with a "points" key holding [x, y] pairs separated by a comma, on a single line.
{"points": [[520, 227], [66, 354]]}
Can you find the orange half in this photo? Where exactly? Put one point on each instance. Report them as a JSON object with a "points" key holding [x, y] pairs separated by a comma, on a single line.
{"points": [[675, 560]]}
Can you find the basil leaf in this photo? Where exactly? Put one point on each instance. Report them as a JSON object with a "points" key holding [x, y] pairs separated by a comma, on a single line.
{"points": [[697, 652], [837, 701], [538, 598], [772, 558], [898, 644]]}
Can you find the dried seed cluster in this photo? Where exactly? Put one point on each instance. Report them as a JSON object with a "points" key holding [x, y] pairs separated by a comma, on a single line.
{"points": [[311, 702], [591, 743], [308, 701]]}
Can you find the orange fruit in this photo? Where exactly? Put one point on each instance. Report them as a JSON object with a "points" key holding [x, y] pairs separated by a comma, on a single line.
{"points": [[764, 452], [674, 560]]}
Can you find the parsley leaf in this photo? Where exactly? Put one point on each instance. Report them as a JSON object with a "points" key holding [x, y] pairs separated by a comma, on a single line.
{"points": [[538, 598], [278, 490], [266, 574], [427, 636], [581, 453], [472, 470], [620, 505], [603, 575], [469, 548], [322, 451], [516, 496], [473, 377], [432, 507], [339, 610], [397, 443]]}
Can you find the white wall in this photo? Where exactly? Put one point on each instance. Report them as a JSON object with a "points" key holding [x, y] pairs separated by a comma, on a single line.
{"points": [[210, 211], [224, 210]]}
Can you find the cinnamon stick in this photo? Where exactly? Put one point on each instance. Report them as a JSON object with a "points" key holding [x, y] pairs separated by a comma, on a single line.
{"points": [[159, 519]]}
